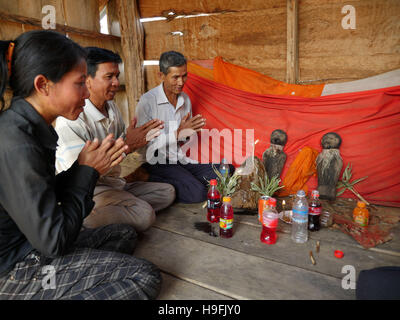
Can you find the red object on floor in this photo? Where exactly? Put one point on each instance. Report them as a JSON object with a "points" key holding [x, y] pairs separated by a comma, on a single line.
{"points": [[339, 254]]}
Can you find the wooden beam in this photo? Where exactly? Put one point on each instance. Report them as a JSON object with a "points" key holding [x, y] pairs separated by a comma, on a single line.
{"points": [[102, 4], [132, 41], [112, 18], [292, 68], [59, 27]]}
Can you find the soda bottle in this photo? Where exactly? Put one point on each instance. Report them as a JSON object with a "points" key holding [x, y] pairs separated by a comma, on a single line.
{"points": [[224, 168], [269, 223], [361, 214], [314, 212], [300, 218], [263, 203], [226, 219], [213, 202]]}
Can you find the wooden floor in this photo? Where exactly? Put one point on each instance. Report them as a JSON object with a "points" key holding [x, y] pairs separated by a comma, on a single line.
{"points": [[197, 266]]}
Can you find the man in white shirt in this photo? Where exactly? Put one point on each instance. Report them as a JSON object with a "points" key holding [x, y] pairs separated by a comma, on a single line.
{"points": [[116, 201], [165, 162]]}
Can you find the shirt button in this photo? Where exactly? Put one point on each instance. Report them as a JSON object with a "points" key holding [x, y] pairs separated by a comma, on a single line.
{"points": [[34, 279]]}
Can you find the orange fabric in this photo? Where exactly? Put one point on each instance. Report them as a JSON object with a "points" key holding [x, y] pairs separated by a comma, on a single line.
{"points": [[251, 81], [200, 71], [367, 121], [301, 169]]}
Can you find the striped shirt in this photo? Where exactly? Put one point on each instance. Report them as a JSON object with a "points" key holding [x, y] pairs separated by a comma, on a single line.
{"points": [[90, 124]]}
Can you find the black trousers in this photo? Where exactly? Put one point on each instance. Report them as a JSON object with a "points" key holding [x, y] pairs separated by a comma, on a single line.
{"points": [[100, 266], [190, 180], [379, 284]]}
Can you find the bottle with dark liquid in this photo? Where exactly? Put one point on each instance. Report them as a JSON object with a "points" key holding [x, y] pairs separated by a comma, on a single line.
{"points": [[314, 212], [213, 202]]}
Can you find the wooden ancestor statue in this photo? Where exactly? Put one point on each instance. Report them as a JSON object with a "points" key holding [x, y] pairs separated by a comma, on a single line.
{"points": [[274, 158], [329, 165]]}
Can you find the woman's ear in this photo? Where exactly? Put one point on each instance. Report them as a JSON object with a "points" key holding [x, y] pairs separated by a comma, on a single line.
{"points": [[41, 85]]}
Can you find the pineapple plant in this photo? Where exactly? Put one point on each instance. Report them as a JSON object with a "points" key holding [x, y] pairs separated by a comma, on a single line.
{"points": [[226, 184], [266, 186]]}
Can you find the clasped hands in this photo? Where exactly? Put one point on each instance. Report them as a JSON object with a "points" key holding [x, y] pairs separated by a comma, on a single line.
{"points": [[190, 126], [108, 153]]}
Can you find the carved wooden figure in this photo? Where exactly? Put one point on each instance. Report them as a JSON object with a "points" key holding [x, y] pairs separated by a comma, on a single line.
{"points": [[329, 165], [274, 158]]}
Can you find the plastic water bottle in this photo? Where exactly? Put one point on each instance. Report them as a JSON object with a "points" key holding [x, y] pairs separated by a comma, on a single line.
{"points": [[269, 223], [224, 168], [300, 218], [226, 219]]}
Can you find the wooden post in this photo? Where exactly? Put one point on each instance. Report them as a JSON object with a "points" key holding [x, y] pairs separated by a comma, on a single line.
{"points": [[132, 40], [113, 18], [292, 68]]}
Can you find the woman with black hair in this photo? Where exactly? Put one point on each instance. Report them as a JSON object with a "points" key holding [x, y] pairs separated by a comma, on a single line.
{"points": [[43, 252]]}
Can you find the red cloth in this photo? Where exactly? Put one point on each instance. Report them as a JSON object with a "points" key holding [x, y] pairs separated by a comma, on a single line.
{"points": [[367, 121]]}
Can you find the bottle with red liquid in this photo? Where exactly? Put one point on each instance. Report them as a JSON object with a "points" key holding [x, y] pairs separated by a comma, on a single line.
{"points": [[269, 223], [314, 212], [213, 202], [226, 219]]}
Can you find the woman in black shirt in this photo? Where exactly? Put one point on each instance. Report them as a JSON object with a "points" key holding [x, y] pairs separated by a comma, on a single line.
{"points": [[43, 252]]}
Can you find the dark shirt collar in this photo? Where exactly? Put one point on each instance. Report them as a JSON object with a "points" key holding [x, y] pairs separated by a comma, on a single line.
{"points": [[45, 133]]}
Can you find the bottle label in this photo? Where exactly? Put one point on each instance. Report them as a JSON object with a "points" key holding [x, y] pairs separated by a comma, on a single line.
{"points": [[213, 204], [226, 224], [362, 221], [300, 216], [315, 211]]}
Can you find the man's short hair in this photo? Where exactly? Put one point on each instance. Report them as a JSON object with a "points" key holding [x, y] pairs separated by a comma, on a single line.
{"points": [[171, 59], [96, 56]]}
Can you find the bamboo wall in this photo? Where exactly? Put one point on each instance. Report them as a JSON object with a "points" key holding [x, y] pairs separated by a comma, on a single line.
{"points": [[253, 34]]}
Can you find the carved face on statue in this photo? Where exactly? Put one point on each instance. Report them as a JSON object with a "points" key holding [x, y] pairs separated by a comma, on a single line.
{"points": [[279, 137], [331, 140]]}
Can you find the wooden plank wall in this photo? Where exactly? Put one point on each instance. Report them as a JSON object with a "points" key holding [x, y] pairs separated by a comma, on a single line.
{"points": [[330, 53], [79, 14], [253, 34]]}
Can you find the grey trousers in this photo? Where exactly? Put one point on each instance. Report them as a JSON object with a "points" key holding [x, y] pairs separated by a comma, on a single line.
{"points": [[135, 205], [100, 266]]}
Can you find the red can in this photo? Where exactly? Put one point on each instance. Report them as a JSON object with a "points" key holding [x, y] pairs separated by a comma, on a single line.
{"points": [[263, 202]]}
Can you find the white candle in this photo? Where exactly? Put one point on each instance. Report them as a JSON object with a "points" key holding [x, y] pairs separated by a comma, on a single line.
{"points": [[254, 148]]}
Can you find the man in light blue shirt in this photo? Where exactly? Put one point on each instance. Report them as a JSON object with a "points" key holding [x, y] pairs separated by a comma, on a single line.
{"points": [[165, 161]]}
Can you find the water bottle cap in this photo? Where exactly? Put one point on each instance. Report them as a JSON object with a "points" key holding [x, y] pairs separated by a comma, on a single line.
{"points": [[223, 161], [213, 182], [226, 199], [301, 193]]}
